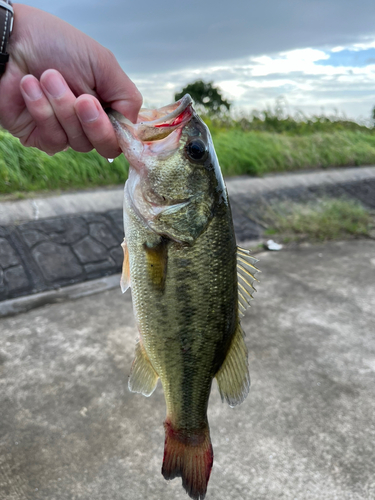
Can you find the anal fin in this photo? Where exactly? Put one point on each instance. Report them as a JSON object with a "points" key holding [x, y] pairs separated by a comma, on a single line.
{"points": [[233, 377], [143, 378]]}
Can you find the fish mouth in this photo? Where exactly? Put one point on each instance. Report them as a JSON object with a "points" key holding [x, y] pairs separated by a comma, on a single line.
{"points": [[156, 124]]}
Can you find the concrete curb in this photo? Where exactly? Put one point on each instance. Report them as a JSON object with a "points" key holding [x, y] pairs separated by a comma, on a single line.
{"points": [[81, 243], [96, 201], [299, 180], [103, 200], [24, 304]]}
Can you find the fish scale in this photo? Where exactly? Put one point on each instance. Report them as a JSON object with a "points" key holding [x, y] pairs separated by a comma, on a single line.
{"points": [[194, 307]]}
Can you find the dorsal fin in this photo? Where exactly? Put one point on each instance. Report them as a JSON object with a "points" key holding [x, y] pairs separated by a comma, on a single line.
{"points": [[125, 277], [246, 272]]}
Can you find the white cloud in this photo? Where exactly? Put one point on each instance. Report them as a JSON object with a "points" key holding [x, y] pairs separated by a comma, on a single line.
{"points": [[297, 75], [362, 46], [269, 48]]}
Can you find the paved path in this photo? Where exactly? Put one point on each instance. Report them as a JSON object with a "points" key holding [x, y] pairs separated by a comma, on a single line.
{"points": [[59, 241], [69, 428]]}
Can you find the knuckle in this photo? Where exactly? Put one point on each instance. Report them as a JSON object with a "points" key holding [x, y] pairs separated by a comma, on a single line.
{"points": [[110, 57], [25, 141], [42, 114], [49, 144], [81, 148], [52, 149], [55, 142], [137, 97], [68, 119]]}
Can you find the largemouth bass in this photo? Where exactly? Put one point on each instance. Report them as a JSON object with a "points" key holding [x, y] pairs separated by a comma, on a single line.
{"points": [[190, 282]]}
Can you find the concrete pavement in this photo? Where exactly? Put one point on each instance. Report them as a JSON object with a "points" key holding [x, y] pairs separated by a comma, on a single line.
{"points": [[70, 430]]}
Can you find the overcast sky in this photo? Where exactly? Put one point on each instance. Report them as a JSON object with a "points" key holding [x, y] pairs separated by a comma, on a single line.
{"points": [[315, 54]]}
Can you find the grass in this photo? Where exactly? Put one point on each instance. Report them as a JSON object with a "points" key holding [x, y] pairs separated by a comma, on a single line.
{"points": [[28, 169], [321, 220], [258, 153], [277, 120], [264, 142]]}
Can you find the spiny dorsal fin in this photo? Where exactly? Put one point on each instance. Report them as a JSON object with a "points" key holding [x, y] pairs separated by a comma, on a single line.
{"points": [[233, 377], [143, 378], [125, 277], [246, 272]]}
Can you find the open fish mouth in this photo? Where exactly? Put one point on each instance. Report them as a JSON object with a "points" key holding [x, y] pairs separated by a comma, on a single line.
{"points": [[156, 124]]}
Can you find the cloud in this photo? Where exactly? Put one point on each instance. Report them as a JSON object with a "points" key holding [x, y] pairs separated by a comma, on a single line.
{"points": [[168, 35], [256, 82], [316, 53]]}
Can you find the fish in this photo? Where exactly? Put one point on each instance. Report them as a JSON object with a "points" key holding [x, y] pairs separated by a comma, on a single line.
{"points": [[190, 281]]}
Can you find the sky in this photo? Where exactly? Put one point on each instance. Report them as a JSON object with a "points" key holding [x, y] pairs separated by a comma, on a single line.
{"points": [[313, 55]]}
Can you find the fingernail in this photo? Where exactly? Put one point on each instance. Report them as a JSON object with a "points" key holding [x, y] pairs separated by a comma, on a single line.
{"points": [[54, 85], [87, 111], [32, 89]]}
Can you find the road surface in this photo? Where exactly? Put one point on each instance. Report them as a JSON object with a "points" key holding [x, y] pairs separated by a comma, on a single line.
{"points": [[71, 430]]}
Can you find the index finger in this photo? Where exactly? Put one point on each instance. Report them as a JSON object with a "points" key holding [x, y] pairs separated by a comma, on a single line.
{"points": [[96, 125]]}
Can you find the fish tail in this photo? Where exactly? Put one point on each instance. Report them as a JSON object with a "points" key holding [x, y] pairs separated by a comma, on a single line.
{"points": [[189, 455]]}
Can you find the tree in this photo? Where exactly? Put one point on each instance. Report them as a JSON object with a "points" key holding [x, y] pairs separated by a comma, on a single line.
{"points": [[206, 96]]}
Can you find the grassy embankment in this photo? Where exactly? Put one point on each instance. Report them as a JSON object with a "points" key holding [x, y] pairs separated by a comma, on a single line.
{"points": [[273, 141], [254, 145], [28, 169], [324, 219]]}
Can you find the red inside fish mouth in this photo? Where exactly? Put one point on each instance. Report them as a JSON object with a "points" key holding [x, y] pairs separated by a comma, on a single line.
{"points": [[156, 124], [186, 114], [167, 116]]}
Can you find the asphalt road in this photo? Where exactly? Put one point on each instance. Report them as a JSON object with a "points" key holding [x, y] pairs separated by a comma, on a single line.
{"points": [[69, 428]]}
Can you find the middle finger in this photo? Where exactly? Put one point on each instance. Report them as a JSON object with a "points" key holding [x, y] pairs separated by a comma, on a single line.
{"points": [[62, 101]]}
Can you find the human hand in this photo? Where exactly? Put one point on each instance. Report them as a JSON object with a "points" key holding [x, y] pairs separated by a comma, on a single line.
{"points": [[54, 84]]}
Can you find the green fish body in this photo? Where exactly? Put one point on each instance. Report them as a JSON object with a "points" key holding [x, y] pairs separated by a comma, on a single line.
{"points": [[189, 280]]}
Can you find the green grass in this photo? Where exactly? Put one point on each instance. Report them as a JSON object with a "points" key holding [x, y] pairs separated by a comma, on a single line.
{"points": [[279, 121], [324, 219], [28, 169], [258, 153], [239, 151]]}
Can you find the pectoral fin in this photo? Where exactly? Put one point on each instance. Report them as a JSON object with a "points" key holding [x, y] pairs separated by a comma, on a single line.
{"points": [[143, 378], [233, 377], [157, 259], [125, 277]]}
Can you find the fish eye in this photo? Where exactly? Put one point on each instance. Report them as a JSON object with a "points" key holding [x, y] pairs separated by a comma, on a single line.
{"points": [[196, 150]]}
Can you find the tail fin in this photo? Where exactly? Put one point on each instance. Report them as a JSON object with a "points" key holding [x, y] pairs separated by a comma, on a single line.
{"points": [[188, 455]]}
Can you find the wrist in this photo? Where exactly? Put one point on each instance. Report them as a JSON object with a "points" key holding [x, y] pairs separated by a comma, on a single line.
{"points": [[6, 26]]}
